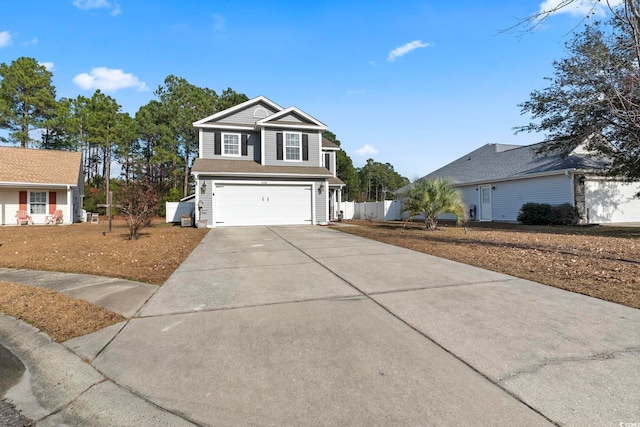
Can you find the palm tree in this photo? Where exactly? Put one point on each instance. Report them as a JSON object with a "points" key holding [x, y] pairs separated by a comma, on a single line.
{"points": [[432, 198]]}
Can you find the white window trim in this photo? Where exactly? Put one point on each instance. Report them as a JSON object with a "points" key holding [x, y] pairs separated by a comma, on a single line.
{"points": [[239, 144], [284, 146], [46, 202]]}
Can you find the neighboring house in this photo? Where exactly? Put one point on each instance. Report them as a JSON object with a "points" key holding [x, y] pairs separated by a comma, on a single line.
{"points": [[40, 182], [496, 180], [261, 164]]}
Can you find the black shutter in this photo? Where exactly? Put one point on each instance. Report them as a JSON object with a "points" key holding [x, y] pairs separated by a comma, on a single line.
{"points": [[244, 145], [279, 146], [217, 149], [327, 161], [305, 146]]}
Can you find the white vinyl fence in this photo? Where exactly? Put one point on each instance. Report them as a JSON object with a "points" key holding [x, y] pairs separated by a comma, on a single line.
{"points": [[388, 210], [176, 209]]}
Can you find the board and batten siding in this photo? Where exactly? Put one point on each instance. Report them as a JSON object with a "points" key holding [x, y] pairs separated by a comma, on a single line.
{"points": [[270, 157], [208, 146], [611, 201], [508, 196], [248, 116]]}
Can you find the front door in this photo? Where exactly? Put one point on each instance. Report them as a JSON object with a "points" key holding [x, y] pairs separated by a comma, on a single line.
{"points": [[485, 203]]}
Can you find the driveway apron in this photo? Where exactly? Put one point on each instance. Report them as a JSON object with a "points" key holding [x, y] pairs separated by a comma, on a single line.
{"points": [[310, 326]]}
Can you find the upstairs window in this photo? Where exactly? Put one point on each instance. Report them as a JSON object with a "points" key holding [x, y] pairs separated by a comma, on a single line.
{"points": [[292, 146], [231, 144]]}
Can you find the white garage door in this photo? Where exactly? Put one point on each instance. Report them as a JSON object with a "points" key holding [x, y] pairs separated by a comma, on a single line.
{"points": [[611, 201], [262, 204]]}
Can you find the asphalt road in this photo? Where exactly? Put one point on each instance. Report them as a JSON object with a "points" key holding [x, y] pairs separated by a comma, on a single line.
{"points": [[11, 370]]}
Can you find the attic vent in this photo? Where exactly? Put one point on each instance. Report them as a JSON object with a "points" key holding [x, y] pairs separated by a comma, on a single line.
{"points": [[260, 113]]}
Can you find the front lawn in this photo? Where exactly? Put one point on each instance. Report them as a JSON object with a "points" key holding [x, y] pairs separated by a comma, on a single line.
{"points": [[603, 261]]}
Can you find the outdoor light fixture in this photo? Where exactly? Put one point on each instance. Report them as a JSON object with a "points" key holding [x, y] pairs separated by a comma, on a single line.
{"points": [[321, 188], [203, 188]]}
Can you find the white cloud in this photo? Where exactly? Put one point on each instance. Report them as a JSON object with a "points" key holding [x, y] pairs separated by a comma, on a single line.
{"points": [[107, 79], [48, 65], [219, 22], [403, 50], [98, 4], [578, 7], [32, 42], [5, 38], [367, 150], [355, 92]]}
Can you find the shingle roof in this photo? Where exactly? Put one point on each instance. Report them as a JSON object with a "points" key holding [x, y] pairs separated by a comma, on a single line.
{"points": [[24, 165], [335, 181], [494, 162], [250, 168], [329, 144]]}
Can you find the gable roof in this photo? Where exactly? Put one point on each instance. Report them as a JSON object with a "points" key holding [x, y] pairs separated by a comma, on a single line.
{"points": [[27, 166], [496, 162], [239, 107], [279, 119]]}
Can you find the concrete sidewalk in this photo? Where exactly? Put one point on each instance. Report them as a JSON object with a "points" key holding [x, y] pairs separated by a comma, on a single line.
{"points": [[310, 326]]}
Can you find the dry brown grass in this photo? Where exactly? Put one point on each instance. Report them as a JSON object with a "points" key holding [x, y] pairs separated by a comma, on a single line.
{"points": [[60, 316], [603, 262], [90, 249]]}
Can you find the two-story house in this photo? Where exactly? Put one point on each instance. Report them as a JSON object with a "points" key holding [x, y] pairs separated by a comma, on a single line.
{"points": [[261, 164]]}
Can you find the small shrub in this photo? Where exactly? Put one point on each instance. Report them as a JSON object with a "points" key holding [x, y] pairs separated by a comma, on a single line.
{"points": [[564, 214], [535, 214], [546, 214]]}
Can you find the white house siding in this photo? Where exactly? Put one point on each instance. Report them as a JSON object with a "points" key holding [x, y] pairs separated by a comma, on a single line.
{"points": [[248, 116], [611, 201], [508, 196], [271, 152], [208, 146], [10, 204]]}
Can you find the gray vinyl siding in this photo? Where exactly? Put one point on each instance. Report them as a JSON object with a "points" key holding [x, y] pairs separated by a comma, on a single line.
{"points": [[292, 118], [248, 116], [322, 202], [271, 154], [208, 146], [207, 199], [332, 161], [508, 196]]}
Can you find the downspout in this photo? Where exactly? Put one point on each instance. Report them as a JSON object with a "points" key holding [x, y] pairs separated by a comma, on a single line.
{"points": [[70, 210]]}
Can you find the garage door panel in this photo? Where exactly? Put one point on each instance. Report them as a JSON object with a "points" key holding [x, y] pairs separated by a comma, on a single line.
{"points": [[262, 204]]}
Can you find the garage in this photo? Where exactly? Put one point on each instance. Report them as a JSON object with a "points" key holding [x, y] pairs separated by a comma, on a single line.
{"points": [[611, 201], [237, 204]]}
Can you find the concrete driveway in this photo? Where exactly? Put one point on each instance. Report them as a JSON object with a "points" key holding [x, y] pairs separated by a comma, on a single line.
{"points": [[310, 326]]}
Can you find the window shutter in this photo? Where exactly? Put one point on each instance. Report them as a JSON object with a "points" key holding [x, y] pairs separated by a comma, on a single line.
{"points": [[245, 151], [52, 202], [217, 149], [327, 161], [23, 200], [279, 146], [305, 146]]}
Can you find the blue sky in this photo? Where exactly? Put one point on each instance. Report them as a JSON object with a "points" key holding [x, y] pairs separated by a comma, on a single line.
{"points": [[413, 83]]}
